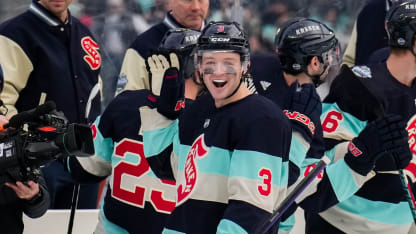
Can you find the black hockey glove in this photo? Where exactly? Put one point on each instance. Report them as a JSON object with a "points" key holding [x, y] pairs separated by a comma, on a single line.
{"points": [[167, 85], [386, 137], [303, 108]]}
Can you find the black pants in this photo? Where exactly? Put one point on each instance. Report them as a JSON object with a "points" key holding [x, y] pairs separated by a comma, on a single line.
{"points": [[61, 185]]}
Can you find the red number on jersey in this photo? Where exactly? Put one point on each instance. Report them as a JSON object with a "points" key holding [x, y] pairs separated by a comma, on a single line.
{"points": [[266, 187], [331, 121], [309, 169], [137, 197]]}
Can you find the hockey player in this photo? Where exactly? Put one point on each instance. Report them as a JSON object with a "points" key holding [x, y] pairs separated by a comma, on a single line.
{"points": [[136, 200], [357, 97], [306, 50], [230, 147]]}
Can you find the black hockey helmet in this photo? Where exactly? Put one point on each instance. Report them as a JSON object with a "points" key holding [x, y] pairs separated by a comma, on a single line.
{"points": [[299, 39], [401, 24], [181, 41], [222, 35]]}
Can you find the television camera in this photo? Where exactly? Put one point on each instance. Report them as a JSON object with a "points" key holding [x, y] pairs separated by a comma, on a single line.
{"points": [[36, 137]]}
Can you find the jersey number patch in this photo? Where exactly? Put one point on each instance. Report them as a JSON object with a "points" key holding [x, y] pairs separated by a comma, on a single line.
{"points": [[266, 187], [331, 121], [124, 169]]}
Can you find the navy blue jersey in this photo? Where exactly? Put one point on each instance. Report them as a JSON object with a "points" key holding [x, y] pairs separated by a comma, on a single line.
{"points": [[230, 163], [42, 55], [136, 200], [380, 205]]}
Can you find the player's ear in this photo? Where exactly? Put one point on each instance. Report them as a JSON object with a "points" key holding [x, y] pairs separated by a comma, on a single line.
{"points": [[315, 64]]}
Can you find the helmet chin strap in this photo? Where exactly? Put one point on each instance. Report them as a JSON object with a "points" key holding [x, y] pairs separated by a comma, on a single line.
{"points": [[316, 79], [241, 81], [235, 91]]}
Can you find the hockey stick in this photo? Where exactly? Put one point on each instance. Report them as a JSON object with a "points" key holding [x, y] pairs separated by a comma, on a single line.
{"points": [[303, 184]]}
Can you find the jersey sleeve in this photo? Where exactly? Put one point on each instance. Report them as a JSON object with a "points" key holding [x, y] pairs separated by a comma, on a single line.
{"points": [[258, 175], [337, 182], [98, 166], [159, 135], [16, 67], [134, 71]]}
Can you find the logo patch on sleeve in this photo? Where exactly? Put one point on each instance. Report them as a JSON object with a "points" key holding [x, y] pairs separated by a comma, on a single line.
{"points": [[362, 71], [411, 129], [93, 58]]}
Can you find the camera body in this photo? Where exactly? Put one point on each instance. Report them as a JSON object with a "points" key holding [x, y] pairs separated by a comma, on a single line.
{"points": [[37, 137]]}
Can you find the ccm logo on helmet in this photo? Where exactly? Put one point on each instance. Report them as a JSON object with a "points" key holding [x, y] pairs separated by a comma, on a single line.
{"points": [[220, 39]]}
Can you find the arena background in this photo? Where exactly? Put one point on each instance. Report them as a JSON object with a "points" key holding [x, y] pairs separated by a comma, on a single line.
{"points": [[115, 23]]}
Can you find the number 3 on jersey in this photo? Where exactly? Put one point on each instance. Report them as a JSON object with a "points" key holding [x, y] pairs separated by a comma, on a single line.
{"points": [[126, 173], [266, 187]]}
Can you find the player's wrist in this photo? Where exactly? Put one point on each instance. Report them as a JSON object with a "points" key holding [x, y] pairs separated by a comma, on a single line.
{"points": [[36, 198]]}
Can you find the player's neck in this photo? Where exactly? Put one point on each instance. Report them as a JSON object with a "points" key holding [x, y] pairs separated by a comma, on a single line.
{"points": [[402, 67], [302, 78]]}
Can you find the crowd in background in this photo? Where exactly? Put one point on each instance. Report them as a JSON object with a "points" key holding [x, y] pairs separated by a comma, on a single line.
{"points": [[115, 23]]}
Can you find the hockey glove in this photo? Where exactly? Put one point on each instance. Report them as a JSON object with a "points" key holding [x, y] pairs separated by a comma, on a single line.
{"points": [[167, 85], [381, 138], [303, 108]]}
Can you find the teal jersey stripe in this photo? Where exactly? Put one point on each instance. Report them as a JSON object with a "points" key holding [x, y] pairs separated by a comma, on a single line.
{"points": [[207, 165], [155, 141], [341, 179], [247, 164], [378, 211], [169, 231], [110, 227], [227, 226], [331, 153], [103, 147], [349, 122], [297, 151], [288, 224]]}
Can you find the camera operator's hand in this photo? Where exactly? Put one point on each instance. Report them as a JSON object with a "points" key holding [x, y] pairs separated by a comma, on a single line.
{"points": [[3, 120], [167, 84], [25, 191]]}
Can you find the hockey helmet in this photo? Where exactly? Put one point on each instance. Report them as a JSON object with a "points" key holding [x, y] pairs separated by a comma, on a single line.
{"points": [[227, 36], [401, 24], [299, 39], [181, 41]]}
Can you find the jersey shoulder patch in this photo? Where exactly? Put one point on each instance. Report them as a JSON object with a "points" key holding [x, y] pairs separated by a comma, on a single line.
{"points": [[362, 71]]}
